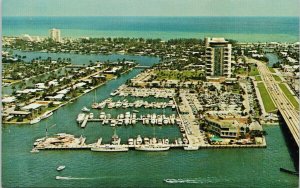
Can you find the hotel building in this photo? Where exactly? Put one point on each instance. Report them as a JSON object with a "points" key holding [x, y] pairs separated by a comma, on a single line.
{"points": [[217, 57], [55, 35]]}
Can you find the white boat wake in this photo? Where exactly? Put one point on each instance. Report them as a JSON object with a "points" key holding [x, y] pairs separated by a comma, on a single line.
{"points": [[71, 178], [194, 180]]}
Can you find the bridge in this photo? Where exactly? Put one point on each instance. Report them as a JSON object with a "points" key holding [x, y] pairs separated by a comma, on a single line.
{"points": [[289, 113]]}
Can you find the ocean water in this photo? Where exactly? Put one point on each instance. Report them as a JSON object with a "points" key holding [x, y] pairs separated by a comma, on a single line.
{"points": [[256, 167], [244, 29]]}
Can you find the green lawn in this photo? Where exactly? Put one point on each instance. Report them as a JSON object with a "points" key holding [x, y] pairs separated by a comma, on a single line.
{"points": [[268, 103], [272, 70], [289, 95], [277, 78], [258, 78], [253, 71], [177, 75], [240, 70]]}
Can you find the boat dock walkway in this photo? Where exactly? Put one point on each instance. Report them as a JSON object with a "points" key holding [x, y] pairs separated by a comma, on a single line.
{"points": [[174, 146], [84, 121]]}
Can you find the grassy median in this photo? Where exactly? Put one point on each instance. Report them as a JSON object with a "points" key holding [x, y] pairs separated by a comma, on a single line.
{"points": [[289, 95], [268, 103], [258, 78], [253, 71], [277, 78], [272, 69]]}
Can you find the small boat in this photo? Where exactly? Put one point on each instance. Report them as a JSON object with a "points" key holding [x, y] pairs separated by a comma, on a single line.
{"points": [[91, 116], [80, 117], [85, 109], [289, 171], [60, 168], [130, 141], [34, 150], [139, 140], [156, 147], [36, 120], [113, 148], [191, 148], [102, 115], [136, 111], [114, 93], [95, 105], [62, 178], [47, 114]]}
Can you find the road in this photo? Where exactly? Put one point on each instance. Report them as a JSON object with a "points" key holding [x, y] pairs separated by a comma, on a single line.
{"points": [[289, 113]]}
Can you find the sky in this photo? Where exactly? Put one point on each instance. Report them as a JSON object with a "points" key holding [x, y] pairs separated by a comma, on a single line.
{"points": [[150, 7]]}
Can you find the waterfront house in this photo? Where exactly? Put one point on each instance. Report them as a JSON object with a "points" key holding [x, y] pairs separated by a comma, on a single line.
{"points": [[230, 128]]}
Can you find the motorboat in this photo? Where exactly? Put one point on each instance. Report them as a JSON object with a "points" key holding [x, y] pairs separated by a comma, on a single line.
{"points": [[102, 115], [95, 105], [110, 148], [80, 117], [130, 141], [60, 168], [85, 109], [34, 150], [114, 93], [91, 116], [47, 114], [139, 140], [154, 147], [191, 148], [36, 120]]}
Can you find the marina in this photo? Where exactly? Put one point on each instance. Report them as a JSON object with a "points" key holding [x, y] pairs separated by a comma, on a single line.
{"points": [[64, 141]]}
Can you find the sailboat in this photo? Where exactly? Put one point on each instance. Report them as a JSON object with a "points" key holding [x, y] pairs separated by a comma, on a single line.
{"points": [[114, 146], [95, 105], [153, 146]]}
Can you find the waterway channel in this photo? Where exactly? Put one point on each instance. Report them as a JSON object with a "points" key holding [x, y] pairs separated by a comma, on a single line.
{"points": [[247, 167]]}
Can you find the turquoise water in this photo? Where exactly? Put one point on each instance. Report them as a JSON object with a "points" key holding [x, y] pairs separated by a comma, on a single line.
{"points": [[204, 168], [273, 58], [244, 29]]}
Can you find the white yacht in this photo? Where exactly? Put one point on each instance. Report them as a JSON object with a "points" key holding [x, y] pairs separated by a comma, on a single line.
{"points": [[91, 116], [108, 147], [130, 141], [85, 109], [60, 168], [36, 120], [154, 147], [47, 114], [102, 115], [139, 140], [95, 105], [191, 148]]}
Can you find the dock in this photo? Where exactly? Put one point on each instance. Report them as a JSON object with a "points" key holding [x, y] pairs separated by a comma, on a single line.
{"points": [[69, 142], [84, 121]]}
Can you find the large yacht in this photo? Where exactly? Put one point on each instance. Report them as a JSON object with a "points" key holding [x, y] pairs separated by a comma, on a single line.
{"points": [[153, 147], [109, 147], [80, 117]]}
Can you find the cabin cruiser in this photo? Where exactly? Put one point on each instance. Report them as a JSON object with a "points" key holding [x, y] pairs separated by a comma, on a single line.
{"points": [[60, 168], [109, 147], [46, 115], [36, 120], [85, 109], [154, 147], [191, 148], [95, 105], [130, 141], [91, 116], [139, 140], [102, 115]]}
